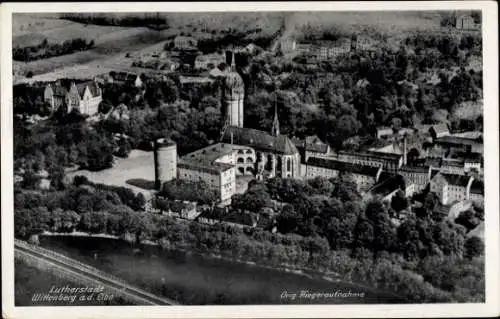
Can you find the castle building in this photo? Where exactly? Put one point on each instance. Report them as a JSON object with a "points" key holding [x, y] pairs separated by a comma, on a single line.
{"points": [[215, 165], [262, 154], [85, 97], [233, 94]]}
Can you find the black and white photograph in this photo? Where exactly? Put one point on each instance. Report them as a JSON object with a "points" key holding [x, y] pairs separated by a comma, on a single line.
{"points": [[249, 157]]}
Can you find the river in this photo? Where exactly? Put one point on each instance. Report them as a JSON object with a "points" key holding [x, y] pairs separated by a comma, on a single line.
{"points": [[197, 280]]}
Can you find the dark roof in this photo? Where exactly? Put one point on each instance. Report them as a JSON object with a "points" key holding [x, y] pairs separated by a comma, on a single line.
{"points": [[209, 154], [373, 154], [433, 161], [477, 187], [94, 89], [343, 166], [415, 169], [452, 162], [456, 140], [213, 168], [260, 140], [468, 156], [456, 180], [387, 186], [58, 89], [310, 145]]}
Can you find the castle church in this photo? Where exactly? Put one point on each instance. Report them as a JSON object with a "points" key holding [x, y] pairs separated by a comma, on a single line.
{"points": [[274, 154]]}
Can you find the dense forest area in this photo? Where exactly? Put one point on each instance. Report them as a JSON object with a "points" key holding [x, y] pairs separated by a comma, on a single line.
{"points": [[47, 50], [323, 228]]}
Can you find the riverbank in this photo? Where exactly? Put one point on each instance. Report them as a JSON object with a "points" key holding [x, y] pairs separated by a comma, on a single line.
{"points": [[331, 277]]}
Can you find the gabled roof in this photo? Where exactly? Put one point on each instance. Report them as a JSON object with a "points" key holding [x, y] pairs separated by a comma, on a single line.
{"points": [[388, 186], [440, 128], [343, 166], [94, 89], [455, 179], [58, 89], [477, 187], [260, 140]]}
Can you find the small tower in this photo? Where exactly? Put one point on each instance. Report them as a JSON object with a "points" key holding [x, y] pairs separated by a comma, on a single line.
{"points": [[276, 123], [165, 161], [233, 96]]}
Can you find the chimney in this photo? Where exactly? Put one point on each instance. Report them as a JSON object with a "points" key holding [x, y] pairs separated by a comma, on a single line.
{"points": [[404, 150]]}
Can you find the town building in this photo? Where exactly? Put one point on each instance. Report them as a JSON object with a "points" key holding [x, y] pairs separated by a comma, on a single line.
{"points": [[453, 166], [388, 161], [185, 43], [439, 130], [466, 22], [365, 176], [460, 144], [419, 176], [476, 192], [124, 78], [451, 188], [84, 97], [287, 45], [364, 43], [215, 165]]}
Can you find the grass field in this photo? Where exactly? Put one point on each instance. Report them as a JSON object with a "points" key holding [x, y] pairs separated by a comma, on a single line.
{"points": [[138, 166]]}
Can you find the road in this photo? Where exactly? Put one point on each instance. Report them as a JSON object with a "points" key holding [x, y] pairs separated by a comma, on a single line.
{"points": [[88, 272]]}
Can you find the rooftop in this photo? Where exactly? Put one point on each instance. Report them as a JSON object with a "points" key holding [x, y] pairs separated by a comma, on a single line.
{"points": [[457, 140], [214, 168], [209, 154], [376, 154], [343, 166], [477, 187], [415, 169], [387, 186], [259, 140], [440, 128], [455, 179]]}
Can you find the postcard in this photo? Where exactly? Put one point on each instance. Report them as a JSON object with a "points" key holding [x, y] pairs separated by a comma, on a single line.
{"points": [[250, 159]]}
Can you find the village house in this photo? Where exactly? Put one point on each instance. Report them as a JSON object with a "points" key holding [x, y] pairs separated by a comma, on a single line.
{"points": [[125, 78], [84, 97], [364, 43], [439, 130], [460, 144], [466, 22], [365, 176], [287, 45], [451, 188]]}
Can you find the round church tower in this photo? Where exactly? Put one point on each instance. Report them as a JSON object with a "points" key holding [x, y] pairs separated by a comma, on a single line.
{"points": [[233, 94]]}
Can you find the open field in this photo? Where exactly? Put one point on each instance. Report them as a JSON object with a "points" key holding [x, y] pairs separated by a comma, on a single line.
{"points": [[139, 165]]}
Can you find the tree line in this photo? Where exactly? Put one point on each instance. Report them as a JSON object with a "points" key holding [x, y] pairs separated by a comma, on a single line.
{"points": [[46, 50]]}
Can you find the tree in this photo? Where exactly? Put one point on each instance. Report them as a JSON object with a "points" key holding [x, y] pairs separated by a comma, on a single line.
{"points": [[399, 201], [288, 220], [474, 247], [104, 107]]}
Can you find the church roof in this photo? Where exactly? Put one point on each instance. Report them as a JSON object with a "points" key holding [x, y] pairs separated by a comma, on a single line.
{"points": [[260, 140]]}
